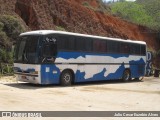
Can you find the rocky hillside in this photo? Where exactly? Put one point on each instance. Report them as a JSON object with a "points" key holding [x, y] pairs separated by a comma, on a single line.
{"points": [[82, 16]]}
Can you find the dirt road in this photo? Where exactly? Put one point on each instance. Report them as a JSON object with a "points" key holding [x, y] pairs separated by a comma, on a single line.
{"points": [[103, 96]]}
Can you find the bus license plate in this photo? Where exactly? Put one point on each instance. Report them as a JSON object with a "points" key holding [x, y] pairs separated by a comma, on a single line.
{"points": [[23, 77]]}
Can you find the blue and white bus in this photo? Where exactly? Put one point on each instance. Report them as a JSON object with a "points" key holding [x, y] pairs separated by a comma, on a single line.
{"points": [[56, 57]]}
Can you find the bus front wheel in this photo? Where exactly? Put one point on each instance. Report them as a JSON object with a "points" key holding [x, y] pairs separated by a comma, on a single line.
{"points": [[126, 75], [66, 78]]}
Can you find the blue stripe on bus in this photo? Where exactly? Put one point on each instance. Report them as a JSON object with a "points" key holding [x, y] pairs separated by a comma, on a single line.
{"points": [[50, 78], [137, 70], [100, 76]]}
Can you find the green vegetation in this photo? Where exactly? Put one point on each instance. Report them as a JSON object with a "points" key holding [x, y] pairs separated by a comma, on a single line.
{"points": [[6, 56], [6, 62], [104, 8], [133, 12], [59, 28], [152, 7], [87, 5], [10, 28], [142, 12]]}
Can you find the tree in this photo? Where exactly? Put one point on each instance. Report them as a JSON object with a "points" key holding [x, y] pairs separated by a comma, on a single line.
{"points": [[152, 7], [133, 12], [11, 26]]}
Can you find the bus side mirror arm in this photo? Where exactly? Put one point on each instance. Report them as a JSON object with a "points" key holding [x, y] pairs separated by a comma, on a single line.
{"points": [[43, 59], [52, 59]]}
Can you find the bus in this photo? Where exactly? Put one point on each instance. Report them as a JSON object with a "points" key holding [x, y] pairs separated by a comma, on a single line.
{"points": [[58, 57]]}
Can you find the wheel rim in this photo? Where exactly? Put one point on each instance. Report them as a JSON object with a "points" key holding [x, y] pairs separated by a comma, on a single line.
{"points": [[67, 77], [126, 75]]}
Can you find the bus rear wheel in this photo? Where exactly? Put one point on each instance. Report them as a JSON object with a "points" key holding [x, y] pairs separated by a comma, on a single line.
{"points": [[126, 75], [139, 78], [66, 78]]}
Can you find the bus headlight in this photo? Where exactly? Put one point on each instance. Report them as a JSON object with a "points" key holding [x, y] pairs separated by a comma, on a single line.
{"points": [[15, 69]]}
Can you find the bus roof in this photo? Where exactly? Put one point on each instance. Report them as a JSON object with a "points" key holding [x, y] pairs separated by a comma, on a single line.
{"points": [[46, 32]]}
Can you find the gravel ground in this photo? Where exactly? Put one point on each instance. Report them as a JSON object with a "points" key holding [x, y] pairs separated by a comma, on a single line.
{"points": [[100, 96]]}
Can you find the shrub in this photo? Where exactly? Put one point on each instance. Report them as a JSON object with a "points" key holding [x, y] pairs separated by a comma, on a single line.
{"points": [[6, 56], [11, 26], [60, 28], [4, 40], [85, 3], [1, 26], [132, 12]]}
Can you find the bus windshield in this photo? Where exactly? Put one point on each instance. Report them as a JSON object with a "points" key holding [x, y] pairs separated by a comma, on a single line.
{"points": [[26, 50]]}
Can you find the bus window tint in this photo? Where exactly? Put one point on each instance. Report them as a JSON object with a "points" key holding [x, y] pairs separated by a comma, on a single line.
{"points": [[135, 49], [99, 46], [71, 43], [102, 47], [138, 49], [143, 50], [80, 44], [20, 51], [88, 45], [125, 48], [66, 42], [61, 43], [112, 47], [50, 46], [96, 45]]}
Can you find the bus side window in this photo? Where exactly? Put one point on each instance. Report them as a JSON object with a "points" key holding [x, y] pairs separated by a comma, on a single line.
{"points": [[124, 48], [99, 46], [71, 43], [88, 44], [143, 50], [61, 43], [80, 44], [50, 46], [102, 47], [96, 44], [110, 45], [50, 50], [135, 49], [66, 42], [114, 47]]}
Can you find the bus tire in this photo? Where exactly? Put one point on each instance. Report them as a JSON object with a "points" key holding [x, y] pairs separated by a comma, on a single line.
{"points": [[139, 78], [126, 75], [66, 78]]}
